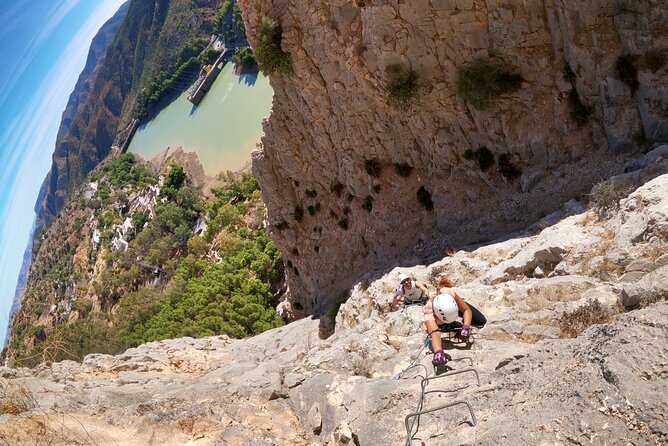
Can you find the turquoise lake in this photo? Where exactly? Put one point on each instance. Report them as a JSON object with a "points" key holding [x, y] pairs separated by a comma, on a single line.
{"points": [[223, 129]]}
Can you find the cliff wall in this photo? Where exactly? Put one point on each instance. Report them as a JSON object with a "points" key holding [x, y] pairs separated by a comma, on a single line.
{"points": [[335, 155]]}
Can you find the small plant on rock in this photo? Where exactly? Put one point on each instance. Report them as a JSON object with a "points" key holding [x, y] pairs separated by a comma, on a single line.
{"points": [[481, 82], [269, 55], [568, 73], [367, 205], [337, 188], [424, 198], [299, 213], [403, 169], [573, 323], [372, 167], [507, 168], [579, 112], [403, 86], [483, 156], [605, 196], [627, 71]]}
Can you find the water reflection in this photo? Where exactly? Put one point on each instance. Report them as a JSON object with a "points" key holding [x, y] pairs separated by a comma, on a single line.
{"points": [[223, 129]]}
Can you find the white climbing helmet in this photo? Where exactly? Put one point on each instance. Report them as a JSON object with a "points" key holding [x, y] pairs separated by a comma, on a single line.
{"points": [[402, 277], [445, 308]]}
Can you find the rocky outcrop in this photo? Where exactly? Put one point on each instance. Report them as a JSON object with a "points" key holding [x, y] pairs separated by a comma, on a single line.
{"points": [[353, 184], [551, 370]]}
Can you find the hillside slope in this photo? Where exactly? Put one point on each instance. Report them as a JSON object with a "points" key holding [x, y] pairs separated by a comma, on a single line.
{"points": [[408, 127], [574, 352], [141, 254], [151, 41], [78, 96]]}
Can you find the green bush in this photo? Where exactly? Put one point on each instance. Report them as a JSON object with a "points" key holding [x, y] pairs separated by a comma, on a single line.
{"points": [[367, 204], [627, 71], [403, 86], [578, 111], [483, 156], [605, 197], [482, 82], [507, 168], [424, 198], [244, 59], [403, 169], [372, 167], [269, 55]]}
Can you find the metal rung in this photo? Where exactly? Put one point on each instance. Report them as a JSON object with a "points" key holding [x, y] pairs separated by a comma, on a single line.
{"points": [[409, 438], [419, 411], [426, 371]]}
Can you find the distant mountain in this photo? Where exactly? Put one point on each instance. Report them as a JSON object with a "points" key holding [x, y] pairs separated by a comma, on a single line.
{"points": [[79, 96], [150, 40]]}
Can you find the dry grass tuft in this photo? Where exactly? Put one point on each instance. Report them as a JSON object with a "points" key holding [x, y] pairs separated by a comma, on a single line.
{"points": [[362, 367], [573, 323], [507, 297], [15, 400], [24, 423], [539, 298]]}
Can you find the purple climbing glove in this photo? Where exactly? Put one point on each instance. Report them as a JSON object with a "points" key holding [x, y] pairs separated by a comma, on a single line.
{"points": [[440, 358], [465, 333]]}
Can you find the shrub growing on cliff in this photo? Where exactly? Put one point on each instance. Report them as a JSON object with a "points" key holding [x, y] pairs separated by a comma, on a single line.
{"points": [[483, 156], [579, 112], [403, 169], [507, 168], [269, 55], [424, 198], [367, 204], [403, 86], [627, 71], [373, 167], [573, 323], [482, 82], [605, 197], [244, 60]]}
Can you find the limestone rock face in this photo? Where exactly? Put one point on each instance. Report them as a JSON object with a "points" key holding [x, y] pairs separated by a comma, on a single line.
{"points": [[338, 206], [549, 374]]}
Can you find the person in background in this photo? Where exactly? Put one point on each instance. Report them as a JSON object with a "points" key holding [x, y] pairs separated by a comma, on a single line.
{"points": [[409, 292], [441, 312]]}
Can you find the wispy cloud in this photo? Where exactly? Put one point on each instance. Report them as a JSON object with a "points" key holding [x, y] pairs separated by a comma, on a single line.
{"points": [[56, 13], [27, 143]]}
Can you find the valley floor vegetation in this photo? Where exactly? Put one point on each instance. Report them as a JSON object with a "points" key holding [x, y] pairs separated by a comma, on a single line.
{"points": [[135, 257]]}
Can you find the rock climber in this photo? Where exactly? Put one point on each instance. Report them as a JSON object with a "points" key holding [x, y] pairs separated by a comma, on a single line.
{"points": [[441, 312], [410, 291]]}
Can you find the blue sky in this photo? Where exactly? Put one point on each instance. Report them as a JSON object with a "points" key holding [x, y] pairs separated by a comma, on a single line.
{"points": [[44, 44]]}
